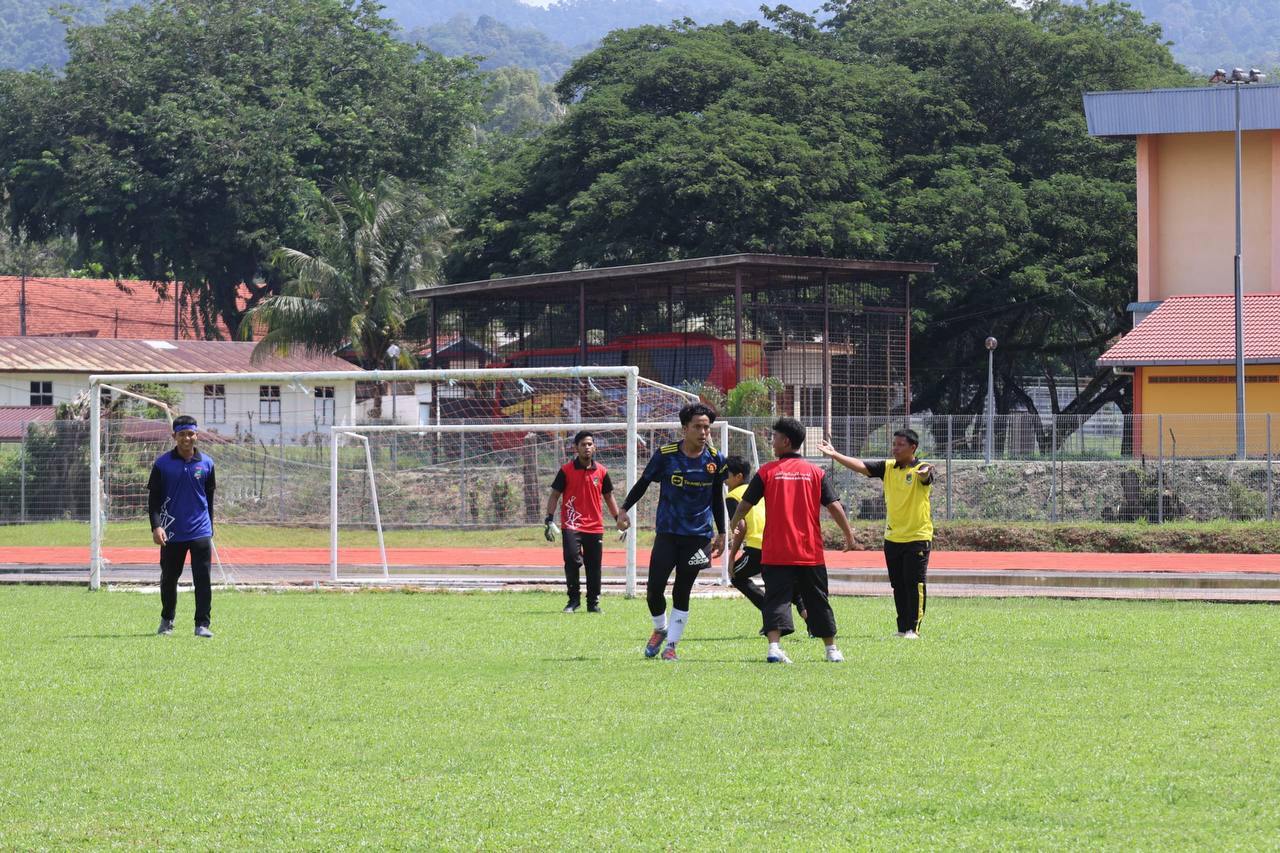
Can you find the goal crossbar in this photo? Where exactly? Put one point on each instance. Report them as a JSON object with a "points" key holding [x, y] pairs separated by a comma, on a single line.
{"points": [[630, 374]]}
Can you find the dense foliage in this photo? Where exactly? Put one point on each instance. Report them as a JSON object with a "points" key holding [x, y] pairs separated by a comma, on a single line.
{"points": [[941, 130], [195, 162]]}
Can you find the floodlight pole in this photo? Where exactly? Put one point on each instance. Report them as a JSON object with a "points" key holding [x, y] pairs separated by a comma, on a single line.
{"points": [[1238, 78], [1239, 290]]}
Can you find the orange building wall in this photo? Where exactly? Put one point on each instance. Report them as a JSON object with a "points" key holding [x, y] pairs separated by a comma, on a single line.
{"points": [[1200, 417], [1186, 213]]}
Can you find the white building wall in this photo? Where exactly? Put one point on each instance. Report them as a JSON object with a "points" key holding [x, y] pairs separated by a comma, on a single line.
{"points": [[298, 413]]}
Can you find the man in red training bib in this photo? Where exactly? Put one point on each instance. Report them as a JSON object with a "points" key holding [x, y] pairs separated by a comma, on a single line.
{"points": [[795, 491], [578, 487]]}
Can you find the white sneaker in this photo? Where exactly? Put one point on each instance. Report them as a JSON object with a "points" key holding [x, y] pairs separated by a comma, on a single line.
{"points": [[777, 657], [910, 635], [900, 634], [203, 631], [834, 656]]}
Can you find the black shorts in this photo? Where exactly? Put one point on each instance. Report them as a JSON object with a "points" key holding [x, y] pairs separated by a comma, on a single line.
{"points": [[748, 563]]}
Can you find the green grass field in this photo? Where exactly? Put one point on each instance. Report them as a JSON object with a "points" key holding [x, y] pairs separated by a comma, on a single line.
{"points": [[490, 721], [1210, 537]]}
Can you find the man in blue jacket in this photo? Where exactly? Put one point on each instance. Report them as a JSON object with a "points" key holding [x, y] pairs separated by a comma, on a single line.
{"points": [[180, 504]]}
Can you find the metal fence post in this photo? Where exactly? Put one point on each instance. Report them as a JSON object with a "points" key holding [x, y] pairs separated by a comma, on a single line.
{"points": [[1053, 467], [462, 480], [1270, 490], [280, 475], [950, 423], [1160, 473], [22, 480]]}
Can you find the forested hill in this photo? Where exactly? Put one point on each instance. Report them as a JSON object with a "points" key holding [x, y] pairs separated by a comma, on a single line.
{"points": [[1205, 33], [30, 35], [502, 46], [1216, 33], [577, 22]]}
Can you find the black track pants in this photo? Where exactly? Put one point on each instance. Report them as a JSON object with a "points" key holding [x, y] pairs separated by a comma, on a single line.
{"points": [[908, 564], [172, 557]]}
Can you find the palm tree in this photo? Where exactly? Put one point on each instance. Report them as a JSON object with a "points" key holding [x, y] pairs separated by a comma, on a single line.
{"points": [[372, 247]]}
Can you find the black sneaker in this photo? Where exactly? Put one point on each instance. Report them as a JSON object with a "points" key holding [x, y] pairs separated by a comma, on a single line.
{"points": [[166, 627], [571, 607], [594, 608]]}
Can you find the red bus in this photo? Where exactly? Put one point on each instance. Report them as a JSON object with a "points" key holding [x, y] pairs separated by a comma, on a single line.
{"points": [[668, 358]]}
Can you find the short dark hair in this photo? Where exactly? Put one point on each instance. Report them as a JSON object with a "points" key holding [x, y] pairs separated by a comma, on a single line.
{"points": [[183, 421], [910, 435], [792, 429], [691, 411], [737, 465], [586, 433]]}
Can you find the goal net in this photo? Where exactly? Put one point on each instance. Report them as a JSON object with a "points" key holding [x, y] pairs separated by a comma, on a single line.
{"points": [[392, 475]]}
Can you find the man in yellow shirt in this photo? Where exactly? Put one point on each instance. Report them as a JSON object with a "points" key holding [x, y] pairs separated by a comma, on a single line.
{"points": [[908, 529], [750, 538]]}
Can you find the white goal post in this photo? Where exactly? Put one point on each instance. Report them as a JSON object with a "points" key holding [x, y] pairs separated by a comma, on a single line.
{"points": [[631, 428], [272, 469]]}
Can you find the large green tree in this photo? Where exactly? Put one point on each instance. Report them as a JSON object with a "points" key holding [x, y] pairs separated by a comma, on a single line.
{"points": [[688, 141], [995, 178], [941, 130], [185, 136]]}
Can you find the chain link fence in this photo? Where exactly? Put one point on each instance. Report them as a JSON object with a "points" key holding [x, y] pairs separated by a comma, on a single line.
{"points": [[1110, 467], [1106, 468]]}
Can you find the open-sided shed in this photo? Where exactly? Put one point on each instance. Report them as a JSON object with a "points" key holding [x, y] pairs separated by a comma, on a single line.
{"points": [[835, 331]]}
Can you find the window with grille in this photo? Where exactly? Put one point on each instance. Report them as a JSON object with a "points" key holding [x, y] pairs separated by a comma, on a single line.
{"points": [[269, 404], [42, 393], [326, 406], [215, 404]]}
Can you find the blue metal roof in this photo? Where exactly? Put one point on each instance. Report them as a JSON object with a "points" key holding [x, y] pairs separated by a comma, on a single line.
{"points": [[1202, 110]]}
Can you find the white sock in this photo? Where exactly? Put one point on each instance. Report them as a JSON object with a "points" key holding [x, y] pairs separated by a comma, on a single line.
{"points": [[831, 647], [679, 618], [774, 648], [660, 622]]}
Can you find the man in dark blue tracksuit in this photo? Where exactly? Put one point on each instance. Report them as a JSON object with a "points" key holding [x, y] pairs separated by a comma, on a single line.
{"points": [[180, 505]]}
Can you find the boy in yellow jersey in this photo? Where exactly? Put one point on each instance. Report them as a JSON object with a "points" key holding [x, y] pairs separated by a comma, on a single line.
{"points": [[750, 538], [908, 531]]}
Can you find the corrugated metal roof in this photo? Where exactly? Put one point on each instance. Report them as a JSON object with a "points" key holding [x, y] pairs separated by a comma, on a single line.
{"points": [[14, 420], [96, 308], [1209, 109], [715, 272], [96, 355], [1201, 330]]}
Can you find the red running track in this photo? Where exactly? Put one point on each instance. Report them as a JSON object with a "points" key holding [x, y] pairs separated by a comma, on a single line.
{"points": [[1032, 561]]}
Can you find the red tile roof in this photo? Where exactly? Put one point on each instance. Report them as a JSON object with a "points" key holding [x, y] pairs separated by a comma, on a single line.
{"points": [[14, 420], [1201, 330], [94, 355], [93, 308]]}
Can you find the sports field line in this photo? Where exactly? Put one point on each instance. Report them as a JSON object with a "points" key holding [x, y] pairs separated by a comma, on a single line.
{"points": [[1030, 561]]}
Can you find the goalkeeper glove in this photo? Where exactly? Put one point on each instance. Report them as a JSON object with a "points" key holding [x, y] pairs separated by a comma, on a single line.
{"points": [[549, 529]]}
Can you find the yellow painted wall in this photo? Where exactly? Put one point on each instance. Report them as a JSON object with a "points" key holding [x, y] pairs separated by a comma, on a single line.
{"points": [[1200, 417], [1194, 222]]}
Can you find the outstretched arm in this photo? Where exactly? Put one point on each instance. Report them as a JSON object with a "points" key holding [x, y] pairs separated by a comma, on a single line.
{"points": [[825, 448]]}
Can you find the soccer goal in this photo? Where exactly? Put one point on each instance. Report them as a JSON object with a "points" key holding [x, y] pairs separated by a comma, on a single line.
{"points": [[427, 475], [357, 475]]}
